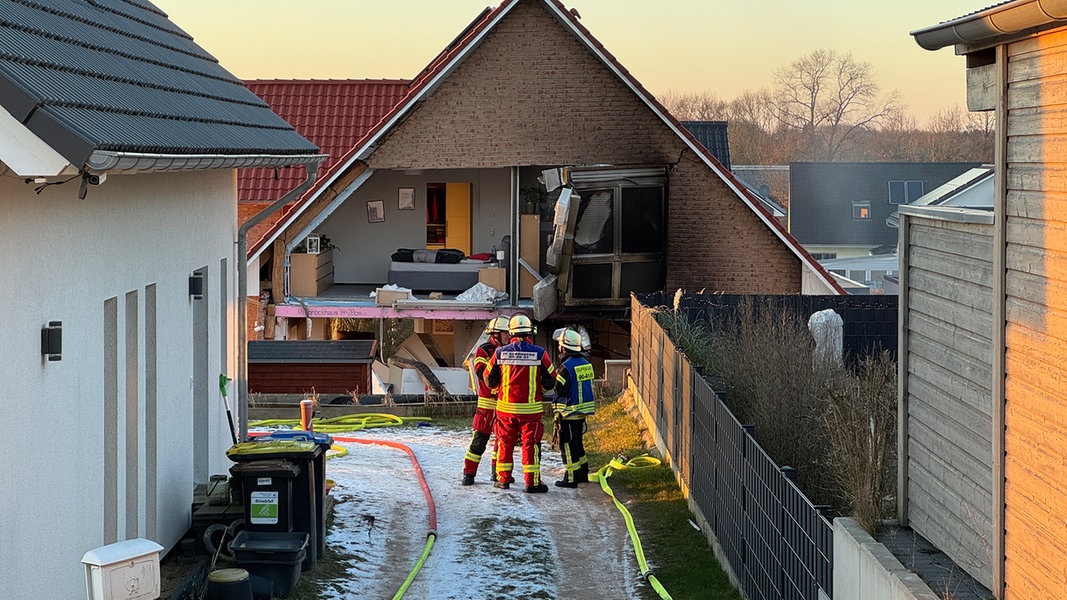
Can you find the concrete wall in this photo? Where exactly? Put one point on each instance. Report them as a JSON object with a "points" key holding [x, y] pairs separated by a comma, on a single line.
{"points": [[106, 444], [867, 570]]}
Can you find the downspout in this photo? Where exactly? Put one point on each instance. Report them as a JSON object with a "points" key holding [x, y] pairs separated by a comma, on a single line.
{"points": [[1000, 226], [242, 292]]}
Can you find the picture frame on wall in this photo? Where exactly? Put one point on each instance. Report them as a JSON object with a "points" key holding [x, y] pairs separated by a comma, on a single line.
{"points": [[375, 211], [405, 198]]}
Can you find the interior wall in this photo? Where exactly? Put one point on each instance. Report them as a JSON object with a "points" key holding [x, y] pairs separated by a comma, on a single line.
{"points": [[363, 249]]}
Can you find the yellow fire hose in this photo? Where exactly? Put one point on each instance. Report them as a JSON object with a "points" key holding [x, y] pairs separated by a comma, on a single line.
{"points": [[620, 464], [344, 423]]}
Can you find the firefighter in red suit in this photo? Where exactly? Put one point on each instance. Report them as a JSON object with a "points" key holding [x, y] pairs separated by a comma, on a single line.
{"points": [[523, 371], [485, 414]]}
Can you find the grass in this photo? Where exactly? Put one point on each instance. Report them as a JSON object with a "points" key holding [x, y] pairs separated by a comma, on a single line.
{"points": [[678, 554]]}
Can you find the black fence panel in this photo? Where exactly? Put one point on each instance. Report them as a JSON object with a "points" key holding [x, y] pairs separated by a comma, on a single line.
{"points": [[777, 543], [869, 323]]}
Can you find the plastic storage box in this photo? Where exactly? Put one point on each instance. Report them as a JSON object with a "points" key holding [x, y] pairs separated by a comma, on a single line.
{"points": [[273, 556]]}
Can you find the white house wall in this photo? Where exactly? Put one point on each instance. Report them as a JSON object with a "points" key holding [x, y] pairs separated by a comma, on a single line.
{"points": [[364, 248], [85, 462]]}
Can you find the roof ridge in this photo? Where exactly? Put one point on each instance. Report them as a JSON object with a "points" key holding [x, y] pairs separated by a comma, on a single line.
{"points": [[330, 81]]}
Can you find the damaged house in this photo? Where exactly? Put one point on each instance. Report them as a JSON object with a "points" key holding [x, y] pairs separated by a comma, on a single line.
{"points": [[524, 157]]}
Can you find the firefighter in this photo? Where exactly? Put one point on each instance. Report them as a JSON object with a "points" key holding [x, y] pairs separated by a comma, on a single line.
{"points": [[485, 414], [523, 371], [573, 403]]}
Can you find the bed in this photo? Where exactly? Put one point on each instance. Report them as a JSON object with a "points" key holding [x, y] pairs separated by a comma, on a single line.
{"points": [[436, 277]]}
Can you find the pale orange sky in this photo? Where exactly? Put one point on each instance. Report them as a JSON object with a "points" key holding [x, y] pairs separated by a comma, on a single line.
{"points": [[723, 47]]}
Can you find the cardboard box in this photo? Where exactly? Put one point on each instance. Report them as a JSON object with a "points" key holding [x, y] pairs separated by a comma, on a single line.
{"points": [[388, 297], [495, 277]]}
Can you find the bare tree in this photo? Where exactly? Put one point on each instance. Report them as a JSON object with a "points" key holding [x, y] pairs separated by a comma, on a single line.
{"points": [[695, 106], [830, 98]]}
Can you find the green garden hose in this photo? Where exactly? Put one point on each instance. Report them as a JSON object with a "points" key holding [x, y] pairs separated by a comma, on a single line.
{"points": [[344, 423]]}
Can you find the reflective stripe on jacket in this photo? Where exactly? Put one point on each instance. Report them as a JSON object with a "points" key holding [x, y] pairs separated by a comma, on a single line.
{"points": [[478, 365], [524, 372], [574, 388]]}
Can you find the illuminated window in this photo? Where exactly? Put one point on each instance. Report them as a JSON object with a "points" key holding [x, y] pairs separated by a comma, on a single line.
{"points": [[861, 209]]}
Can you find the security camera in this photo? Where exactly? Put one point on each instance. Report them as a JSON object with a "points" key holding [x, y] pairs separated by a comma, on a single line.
{"points": [[95, 179]]}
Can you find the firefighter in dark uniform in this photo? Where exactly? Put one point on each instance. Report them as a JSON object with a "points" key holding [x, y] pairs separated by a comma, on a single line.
{"points": [[485, 414], [523, 371], [574, 402]]}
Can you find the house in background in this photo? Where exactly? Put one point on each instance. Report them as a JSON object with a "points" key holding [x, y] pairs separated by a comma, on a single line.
{"points": [[996, 431], [839, 210], [470, 159], [120, 141]]}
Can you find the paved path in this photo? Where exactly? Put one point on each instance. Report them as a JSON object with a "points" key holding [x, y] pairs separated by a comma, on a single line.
{"points": [[491, 543]]}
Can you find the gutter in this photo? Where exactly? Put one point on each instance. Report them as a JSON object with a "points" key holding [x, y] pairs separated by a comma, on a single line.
{"points": [[242, 288], [108, 160], [988, 25]]}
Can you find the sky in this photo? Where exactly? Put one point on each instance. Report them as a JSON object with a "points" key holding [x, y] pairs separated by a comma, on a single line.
{"points": [[719, 47]]}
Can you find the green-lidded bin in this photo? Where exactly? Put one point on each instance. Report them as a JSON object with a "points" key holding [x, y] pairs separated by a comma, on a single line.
{"points": [[323, 442], [267, 493], [303, 453]]}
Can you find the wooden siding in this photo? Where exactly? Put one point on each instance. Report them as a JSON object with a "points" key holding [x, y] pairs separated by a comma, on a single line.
{"points": [[1035, 487], [295, 378], [949, 429]]}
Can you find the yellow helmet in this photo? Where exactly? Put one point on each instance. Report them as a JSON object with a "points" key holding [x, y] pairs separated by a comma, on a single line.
{"points": [[520, 325], [570, 340], [497, 325]]}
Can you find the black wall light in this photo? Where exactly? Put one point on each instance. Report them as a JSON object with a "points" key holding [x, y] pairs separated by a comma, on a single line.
{"points": [[52, 340], [196, 286]]}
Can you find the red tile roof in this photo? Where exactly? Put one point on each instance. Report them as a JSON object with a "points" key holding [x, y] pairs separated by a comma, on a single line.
{"points": [[332, 113]]}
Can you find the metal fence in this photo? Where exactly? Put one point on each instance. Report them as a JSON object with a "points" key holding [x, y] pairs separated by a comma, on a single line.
{"points": [[777, 543]]}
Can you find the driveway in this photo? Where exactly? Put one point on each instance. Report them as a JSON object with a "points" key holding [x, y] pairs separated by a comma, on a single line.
{"points": [[491, 543]]}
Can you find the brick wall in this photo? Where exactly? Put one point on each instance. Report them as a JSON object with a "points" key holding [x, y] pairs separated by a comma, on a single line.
{"points": [[531, 94]]}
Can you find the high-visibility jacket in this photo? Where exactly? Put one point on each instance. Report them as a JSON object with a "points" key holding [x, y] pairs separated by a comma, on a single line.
{"points": [[523, 371], [478, 365], [574, 388]]}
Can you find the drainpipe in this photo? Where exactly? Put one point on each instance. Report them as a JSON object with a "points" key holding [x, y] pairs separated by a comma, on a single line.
{"points": [[242, 292]]}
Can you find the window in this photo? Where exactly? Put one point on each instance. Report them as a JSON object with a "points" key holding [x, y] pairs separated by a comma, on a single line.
{"points": [[824, 255], [861, 209], [904, 191]]}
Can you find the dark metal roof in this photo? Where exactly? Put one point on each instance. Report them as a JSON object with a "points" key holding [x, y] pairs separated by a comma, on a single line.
{"points": [[117, 75], [311, 351], [713, 135]]}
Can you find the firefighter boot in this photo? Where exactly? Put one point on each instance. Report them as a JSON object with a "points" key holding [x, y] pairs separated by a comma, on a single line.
{"points": [[468, 479]]}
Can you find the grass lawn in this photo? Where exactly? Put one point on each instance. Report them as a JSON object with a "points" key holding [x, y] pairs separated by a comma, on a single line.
{"points": [[678, 554]]}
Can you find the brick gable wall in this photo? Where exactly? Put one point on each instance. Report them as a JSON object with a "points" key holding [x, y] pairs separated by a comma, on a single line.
{"points": [[531, 94]]}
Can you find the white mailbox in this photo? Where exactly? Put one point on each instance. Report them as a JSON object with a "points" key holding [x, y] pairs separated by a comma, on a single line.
{"points": [[126, 570]]}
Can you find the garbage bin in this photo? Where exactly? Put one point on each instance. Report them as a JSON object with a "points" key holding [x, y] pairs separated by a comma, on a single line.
{"points": [[323, 442], [303, 454], [267, 493]]}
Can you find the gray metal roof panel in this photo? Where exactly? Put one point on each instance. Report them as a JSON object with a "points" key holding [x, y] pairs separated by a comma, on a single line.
{"points": [[118, 75], [311, 351]]}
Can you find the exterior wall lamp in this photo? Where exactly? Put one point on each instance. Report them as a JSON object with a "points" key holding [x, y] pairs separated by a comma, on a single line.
{"points": [[196, 286], [52, 340]]}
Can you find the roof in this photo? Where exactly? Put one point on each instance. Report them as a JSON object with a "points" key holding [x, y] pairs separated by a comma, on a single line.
{"points": [[98, 78], [972, 189], [332, 113], [993, 24], [311, 351], [454, 54], [713, 135]]}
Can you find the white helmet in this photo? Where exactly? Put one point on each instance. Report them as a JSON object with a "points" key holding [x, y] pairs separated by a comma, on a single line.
{"points": [[497, 325], [570, 340], [520, 325]]}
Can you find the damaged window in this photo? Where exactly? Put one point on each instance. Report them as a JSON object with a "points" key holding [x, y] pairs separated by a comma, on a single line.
{"points": [[595, 231]]}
